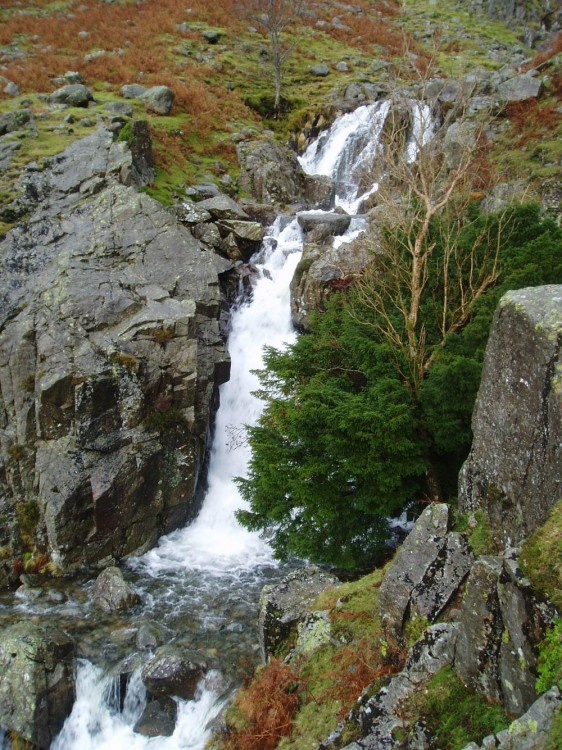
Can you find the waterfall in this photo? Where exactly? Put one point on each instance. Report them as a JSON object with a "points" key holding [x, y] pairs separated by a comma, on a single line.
{"points": [[198, 578]]}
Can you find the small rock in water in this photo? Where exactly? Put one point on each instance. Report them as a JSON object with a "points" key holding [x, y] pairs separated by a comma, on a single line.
{"points": [[111, 593]]}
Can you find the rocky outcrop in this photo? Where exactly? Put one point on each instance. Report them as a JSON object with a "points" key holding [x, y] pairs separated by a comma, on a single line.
{"points": [[528, 732], [324, 267], [37, 685], [221, 224], [501, 624], [283, 606], [513, 471], [426, 572], [272, 175], [379, 716], [110, 355]]}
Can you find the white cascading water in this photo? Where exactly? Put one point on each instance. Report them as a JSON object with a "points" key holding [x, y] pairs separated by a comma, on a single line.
{"points": [[215, 555]]}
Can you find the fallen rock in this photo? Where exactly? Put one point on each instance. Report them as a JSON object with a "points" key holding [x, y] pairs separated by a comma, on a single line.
{"points": [[158, 99], [328, 224], [37, 685], [12, 121], [132, 91], [519, 89], [72, 95], [111, 593], [320, 71], [223, 207]]}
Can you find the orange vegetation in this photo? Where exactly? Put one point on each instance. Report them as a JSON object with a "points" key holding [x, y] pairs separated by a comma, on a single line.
{"points": [[266, 708]]}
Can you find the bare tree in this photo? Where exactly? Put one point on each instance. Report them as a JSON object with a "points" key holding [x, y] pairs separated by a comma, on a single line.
{"points": [[274, 19], [423, 201]]}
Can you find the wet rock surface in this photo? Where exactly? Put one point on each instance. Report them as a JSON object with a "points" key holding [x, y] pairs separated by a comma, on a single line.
{"points": [[111, 593], [172, 674]]}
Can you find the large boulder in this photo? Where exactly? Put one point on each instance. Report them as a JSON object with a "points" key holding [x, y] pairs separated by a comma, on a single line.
{"points": [[110, 356], [72, 95], [158, 99], [270, 173], [37, 684], [288, 603], [513, 471]]}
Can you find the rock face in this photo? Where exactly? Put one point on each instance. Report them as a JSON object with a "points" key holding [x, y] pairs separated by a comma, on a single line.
{"points": [[501, 624], [37, 685], [426, 572], [288, 603], [513, 470], [379, 716], [272, 175], [109, 358]]}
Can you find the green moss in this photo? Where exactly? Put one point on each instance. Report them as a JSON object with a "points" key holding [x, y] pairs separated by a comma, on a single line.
{"points": [[453, 714], [550, 660], [480, 535], [541, 558], [28, 516], [554, 739], [164, 421]]}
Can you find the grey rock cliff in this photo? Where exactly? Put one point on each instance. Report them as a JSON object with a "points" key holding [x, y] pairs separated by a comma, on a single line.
{"points": [[513, 470], [109, 358]]}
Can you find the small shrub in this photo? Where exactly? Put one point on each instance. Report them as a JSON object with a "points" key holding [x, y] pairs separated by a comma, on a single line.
{"points": [[162, 421], [162, 336], [28, 383], [127, 361], [28, 516]]}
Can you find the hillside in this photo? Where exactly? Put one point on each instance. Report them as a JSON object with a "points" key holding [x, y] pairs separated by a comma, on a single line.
{"points": [[217, 66]]}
